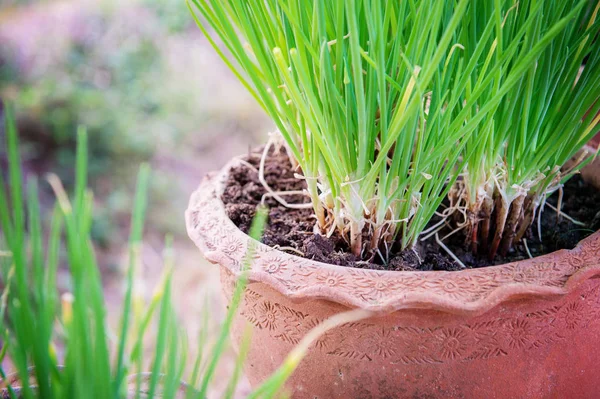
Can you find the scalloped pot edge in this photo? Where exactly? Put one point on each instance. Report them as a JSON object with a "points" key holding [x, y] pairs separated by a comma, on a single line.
{"points": [[471, 291]]}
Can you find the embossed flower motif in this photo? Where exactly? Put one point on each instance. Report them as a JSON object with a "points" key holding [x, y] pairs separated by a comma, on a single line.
{"points": [[453, 343], [250, 313], [324, 340], [331, 279], [456, 287], [207, 224], [543, 266], [576, 262], [505, 273], [273, 264], [524, 275], [411, 283], [268, 316], [222, 233], [571, 315], [519, 333], [482, 284], [415, 345], [380, 343], [303, 270], [374, 287], [544, 272], [590, 251], [593, 246], [488, 339], [231, 246]]}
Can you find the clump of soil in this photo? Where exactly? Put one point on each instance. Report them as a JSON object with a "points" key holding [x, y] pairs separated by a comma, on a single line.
{"points": [[291, 230]]}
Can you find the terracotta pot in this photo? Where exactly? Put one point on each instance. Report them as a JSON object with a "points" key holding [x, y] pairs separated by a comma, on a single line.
{"points": [[529, 329]]}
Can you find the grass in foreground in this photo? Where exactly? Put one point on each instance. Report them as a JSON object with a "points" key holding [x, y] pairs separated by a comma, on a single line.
{"points": [[60, 345]]}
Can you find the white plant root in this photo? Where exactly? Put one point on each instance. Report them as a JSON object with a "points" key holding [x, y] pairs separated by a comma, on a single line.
{"points": [[561, 213], [277, 195], [445, 248]]}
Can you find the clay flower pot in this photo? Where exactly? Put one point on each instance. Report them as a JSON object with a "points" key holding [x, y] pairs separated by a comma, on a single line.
{"points": [[529, 329]]}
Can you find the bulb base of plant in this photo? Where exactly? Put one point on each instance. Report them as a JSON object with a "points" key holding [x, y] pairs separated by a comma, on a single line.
{"points": [[497, 214]]}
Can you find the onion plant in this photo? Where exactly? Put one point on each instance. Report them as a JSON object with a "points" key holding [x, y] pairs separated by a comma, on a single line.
{"points": [[382, 103], [516, 158]]}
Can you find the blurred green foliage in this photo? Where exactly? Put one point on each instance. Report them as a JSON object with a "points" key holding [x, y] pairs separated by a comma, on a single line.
{"points": [[116, 78], [60, 345], [173, 15]]}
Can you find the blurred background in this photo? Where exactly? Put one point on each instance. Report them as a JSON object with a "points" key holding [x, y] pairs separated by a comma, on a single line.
{"points": [[142, 79]]}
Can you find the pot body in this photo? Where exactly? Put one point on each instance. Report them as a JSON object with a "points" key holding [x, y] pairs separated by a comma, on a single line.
{"points": [[528, 329], [522, 348]]}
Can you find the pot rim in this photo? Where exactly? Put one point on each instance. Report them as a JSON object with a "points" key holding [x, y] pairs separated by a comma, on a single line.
{"points": [[469, 291]]}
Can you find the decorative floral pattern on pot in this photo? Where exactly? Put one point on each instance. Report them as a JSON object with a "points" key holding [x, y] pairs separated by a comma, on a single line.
{"points": [[468, 291], [480, 339]]}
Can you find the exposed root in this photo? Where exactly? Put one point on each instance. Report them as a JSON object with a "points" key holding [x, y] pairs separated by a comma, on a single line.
{"points": [[452, 255], [527, 248], [445, 215], [456, 230], [247, 164], [417, 255], [539, 219], [430, 232], [289, 249], [569, 218], [277, 195], [362, 262]]}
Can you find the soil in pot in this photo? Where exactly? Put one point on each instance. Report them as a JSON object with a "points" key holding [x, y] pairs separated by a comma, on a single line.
{"points": [[291, 230]]}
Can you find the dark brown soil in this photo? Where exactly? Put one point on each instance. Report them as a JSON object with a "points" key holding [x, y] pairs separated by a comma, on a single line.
{"points": [[291, 230]]}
